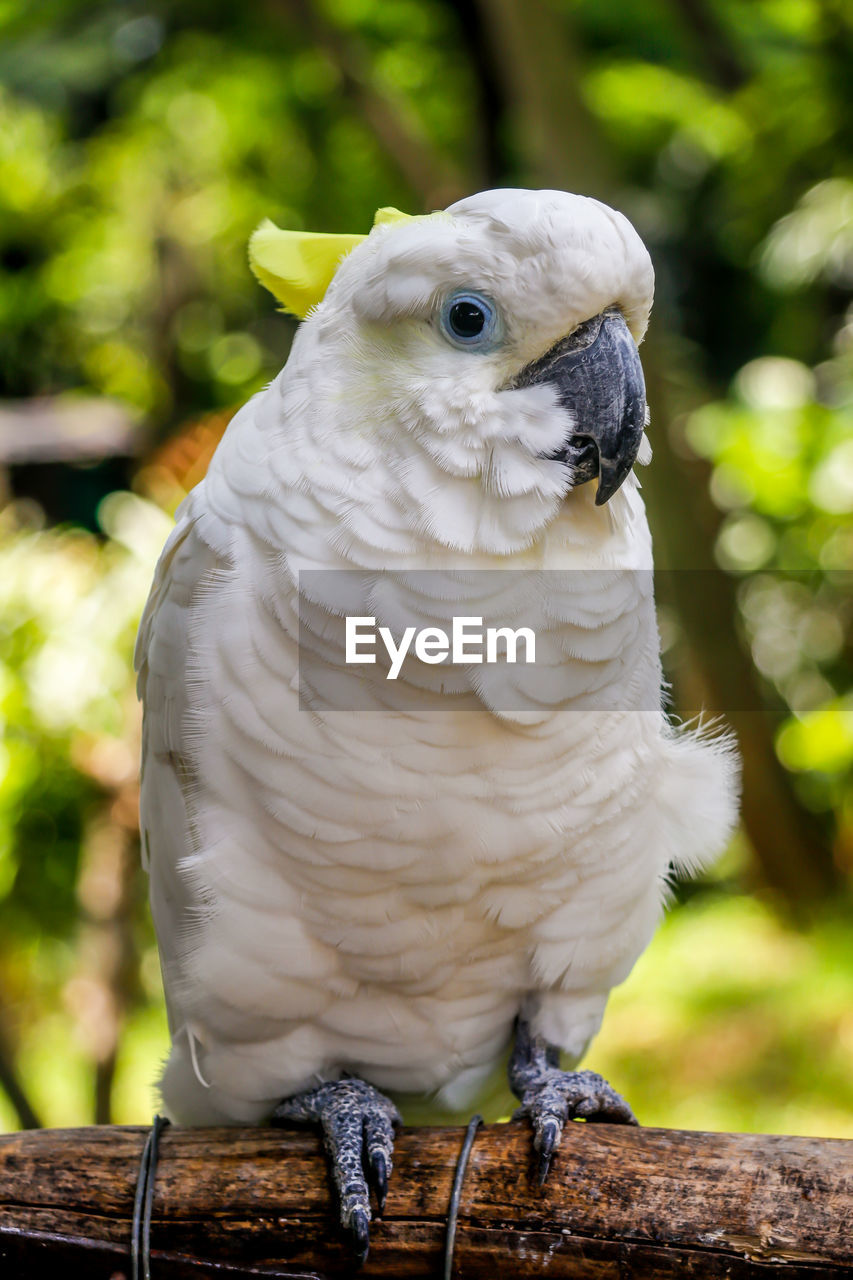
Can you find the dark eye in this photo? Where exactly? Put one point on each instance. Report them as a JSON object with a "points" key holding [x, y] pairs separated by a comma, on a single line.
{"points": [[470, 320], [466, 319]]}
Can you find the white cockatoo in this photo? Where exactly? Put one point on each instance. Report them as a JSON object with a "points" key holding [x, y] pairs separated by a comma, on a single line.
{"points": [[363, 885]]}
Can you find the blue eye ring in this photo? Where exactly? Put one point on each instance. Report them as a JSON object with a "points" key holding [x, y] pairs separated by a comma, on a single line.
{"points": [[470, 319]]}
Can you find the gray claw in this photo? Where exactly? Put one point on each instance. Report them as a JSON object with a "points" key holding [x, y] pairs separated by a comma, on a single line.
{"points": [[360, 1227], [379, 1177]]}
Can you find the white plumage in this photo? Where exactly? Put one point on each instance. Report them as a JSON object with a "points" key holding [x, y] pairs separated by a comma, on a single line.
{"points": [[382, 893]]}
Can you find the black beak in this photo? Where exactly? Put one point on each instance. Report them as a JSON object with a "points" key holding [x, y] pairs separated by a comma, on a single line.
{"points": [[599, 379]]}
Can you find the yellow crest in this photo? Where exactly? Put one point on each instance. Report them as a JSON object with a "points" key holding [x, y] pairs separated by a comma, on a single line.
{"points": [[297, 266]]}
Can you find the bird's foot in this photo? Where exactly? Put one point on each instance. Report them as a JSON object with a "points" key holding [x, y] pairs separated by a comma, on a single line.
{"points": [[551, 1097], [358, 1129], [560, 1096]]}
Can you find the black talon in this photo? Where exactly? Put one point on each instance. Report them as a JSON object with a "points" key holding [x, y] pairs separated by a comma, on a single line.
{"points": [[546, 1143], [379, 1177], [360, 1226]]}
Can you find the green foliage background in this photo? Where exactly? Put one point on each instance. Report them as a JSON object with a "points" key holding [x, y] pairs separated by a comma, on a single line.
{"points": [[140, 143]]}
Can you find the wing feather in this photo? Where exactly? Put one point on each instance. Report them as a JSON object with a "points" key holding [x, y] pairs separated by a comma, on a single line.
{"points": [[167, 769]]}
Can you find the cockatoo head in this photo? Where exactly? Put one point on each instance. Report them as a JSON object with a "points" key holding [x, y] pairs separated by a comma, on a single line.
{"points": [[487, 352]]}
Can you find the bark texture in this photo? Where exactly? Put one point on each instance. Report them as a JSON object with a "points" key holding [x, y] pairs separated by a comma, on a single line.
{"points": [[249, 1202]]}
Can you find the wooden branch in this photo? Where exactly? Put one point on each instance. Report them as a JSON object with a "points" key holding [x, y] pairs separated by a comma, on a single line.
{"points": [[620, 1202]]}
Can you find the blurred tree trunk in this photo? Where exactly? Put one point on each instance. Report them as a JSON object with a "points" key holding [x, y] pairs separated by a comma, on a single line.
{"points": [[433, 175], [12, 1087], [792, 851], [561, 146], [106, 983], [712, 42], [554, 137]]}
